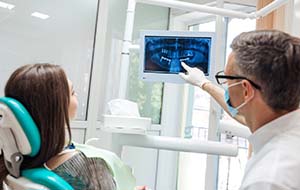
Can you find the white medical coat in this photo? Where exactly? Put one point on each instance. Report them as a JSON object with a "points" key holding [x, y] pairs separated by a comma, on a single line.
{"points": [[275, 164]]}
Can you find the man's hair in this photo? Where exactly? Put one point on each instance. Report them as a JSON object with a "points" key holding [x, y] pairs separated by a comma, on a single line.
{"points": [[271, 58], [44, 91]]}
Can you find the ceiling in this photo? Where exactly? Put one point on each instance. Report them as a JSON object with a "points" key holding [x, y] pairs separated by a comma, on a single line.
{"points": [[242, 2], [65, 15], [243, 5]]}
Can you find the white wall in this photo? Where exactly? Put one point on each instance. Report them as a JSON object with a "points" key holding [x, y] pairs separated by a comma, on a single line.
{"points": [[296, 18], [65, 38]]}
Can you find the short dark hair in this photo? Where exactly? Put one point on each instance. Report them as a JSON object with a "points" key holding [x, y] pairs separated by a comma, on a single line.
{"points": [[43, 89], [272, 59]]}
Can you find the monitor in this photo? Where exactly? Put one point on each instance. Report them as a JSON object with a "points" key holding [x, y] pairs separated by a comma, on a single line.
{"points": [[161, 54]]}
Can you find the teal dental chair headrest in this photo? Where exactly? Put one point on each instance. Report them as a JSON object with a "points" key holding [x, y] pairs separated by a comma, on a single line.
{"points": [[26, 125], [20, 136]]}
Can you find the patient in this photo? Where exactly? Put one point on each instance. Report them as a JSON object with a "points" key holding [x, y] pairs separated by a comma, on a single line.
{"points": [[46, 93]]}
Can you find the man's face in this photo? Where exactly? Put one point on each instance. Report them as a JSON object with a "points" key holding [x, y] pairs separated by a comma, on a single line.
{"points": [[235, 92]]}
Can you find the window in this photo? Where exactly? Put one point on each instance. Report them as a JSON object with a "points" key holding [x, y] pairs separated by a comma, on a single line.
{"points": [[148, 95], [231, 169], [193, 165]]}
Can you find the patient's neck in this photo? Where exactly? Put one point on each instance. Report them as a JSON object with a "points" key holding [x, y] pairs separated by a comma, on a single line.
{"points": [[59, 159]]}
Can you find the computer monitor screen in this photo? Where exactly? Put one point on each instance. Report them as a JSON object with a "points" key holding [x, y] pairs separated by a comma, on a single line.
{"points": [[163, 51]]}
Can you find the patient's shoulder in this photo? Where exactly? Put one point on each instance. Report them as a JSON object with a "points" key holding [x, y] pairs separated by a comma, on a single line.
{"points": [[59, 159], [86, 173]]}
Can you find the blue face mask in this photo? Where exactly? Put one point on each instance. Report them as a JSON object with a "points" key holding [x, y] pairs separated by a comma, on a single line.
{"points": [[233, 111]]}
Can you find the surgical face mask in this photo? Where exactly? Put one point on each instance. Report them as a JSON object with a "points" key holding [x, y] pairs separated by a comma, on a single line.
{"points": [[233, 111]]}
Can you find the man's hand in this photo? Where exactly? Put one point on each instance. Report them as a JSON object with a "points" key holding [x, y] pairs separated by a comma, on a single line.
{"points": [[193, 76]]}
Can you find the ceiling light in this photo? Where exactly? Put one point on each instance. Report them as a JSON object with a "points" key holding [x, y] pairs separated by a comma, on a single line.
{"points": [[40, 15], [6, 5]]}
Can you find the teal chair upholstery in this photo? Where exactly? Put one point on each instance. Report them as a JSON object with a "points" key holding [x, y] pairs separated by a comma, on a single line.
{"points": [[20, 136]]}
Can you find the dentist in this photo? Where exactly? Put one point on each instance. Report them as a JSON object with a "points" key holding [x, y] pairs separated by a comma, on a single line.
{"points": [[261, 84]]}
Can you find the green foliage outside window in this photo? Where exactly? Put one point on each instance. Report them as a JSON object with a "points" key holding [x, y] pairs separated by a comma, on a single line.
{"points": [[148, 95]]}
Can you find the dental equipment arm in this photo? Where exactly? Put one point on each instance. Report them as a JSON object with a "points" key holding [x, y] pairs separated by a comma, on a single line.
{"points": [[176, 144], [234, 128]]}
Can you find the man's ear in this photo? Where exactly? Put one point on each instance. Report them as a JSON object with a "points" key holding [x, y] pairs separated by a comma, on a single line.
{"points": [[248, 89]]}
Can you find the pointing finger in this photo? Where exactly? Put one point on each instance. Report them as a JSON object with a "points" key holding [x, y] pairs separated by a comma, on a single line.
{"points": [[185, 66]]}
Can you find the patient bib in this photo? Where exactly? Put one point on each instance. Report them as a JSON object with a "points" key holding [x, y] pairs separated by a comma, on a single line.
{"points": [[121, 172]]}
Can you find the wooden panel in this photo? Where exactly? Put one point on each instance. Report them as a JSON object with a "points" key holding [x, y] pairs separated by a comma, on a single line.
{"points": [[279, 19], [265, 22], [274, 20]]}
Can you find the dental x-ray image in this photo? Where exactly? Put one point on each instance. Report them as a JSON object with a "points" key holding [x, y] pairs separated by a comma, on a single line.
{"points": [[164, 54]]}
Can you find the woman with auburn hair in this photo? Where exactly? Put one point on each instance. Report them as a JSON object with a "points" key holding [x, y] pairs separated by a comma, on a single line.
{"points": [[48, 95]]}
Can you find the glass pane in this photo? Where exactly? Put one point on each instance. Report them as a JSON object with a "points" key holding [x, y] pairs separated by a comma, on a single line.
{"points": [[235, 27], [65, 38], [231, 169], [208, 27], [192, 171], [148, 95], [192, 165]]}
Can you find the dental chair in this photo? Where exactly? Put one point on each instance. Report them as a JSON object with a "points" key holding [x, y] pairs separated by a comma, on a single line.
{"points": [[20, 136]]}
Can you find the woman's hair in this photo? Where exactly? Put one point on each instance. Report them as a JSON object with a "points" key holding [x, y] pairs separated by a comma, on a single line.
{"points": [[44, 91]]}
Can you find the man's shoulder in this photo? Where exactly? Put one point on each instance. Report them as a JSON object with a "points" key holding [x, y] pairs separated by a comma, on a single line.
{"points": [[265, 185], [275, 165]]}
